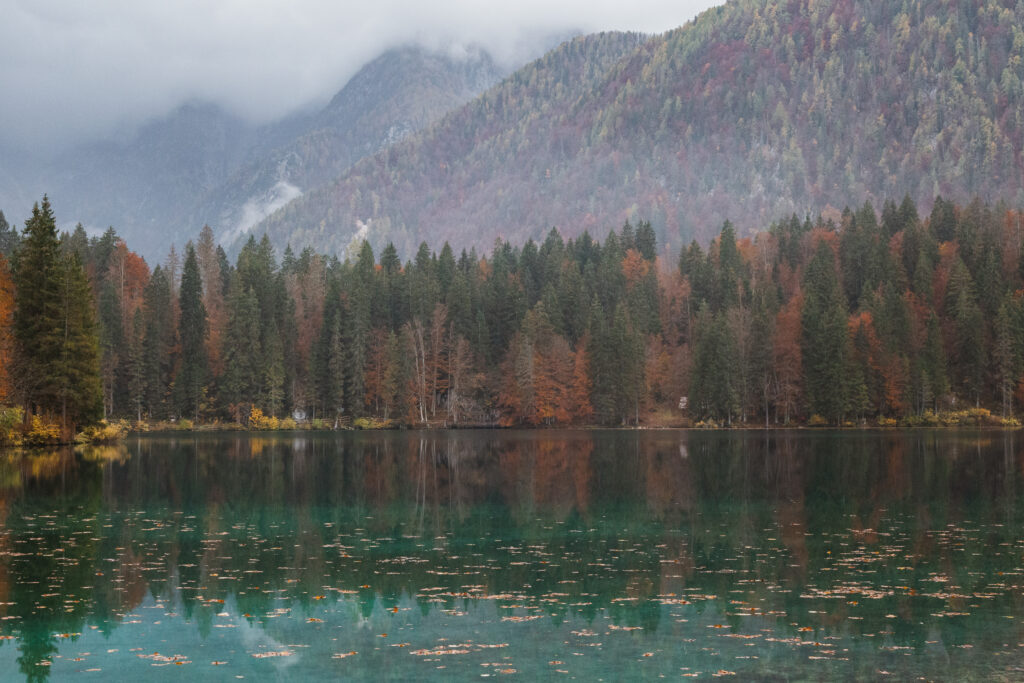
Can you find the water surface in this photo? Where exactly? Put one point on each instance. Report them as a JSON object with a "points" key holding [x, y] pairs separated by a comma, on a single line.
{"points": [[507, 554]]}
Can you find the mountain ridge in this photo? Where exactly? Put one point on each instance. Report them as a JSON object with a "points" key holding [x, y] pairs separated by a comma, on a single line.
{"points": [[754, 110]]}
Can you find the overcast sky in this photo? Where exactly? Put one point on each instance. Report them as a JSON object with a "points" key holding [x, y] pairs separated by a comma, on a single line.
{"points": [[74, 69]]}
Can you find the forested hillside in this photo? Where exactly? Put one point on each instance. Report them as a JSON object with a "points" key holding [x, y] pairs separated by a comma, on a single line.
{"points": [[861, 317], [758, 108]]}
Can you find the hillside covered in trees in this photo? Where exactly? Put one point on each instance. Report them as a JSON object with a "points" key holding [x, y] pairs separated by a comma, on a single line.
{"points": [[860, 317], [756, 109]]}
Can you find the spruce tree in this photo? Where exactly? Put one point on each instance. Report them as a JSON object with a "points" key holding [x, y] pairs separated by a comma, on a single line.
{"points": [[58, 367], [136, 370], [242, 351], [8, 237], [159, 343], [38, 285], [80, 389], [190, 383], [824, 338]]}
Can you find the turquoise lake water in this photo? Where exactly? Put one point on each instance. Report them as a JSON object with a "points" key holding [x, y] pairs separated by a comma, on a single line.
{"points": [[529, 555]]}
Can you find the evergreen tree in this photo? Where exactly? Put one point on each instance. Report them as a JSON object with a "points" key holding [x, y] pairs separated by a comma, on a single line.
{"points": [[727, 287], [942, 221], [335, 378], [605, 368], [1008, 332], [273, 387], [646, 240], [824, 340], [136, 369], [80, 390], [38, 285], [713, 386], [111, 344], [159, 343], [190, 383], [58, 368], [242, 351], [934, 365], [8, 237]]}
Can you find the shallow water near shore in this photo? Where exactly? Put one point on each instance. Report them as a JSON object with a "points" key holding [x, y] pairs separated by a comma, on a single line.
{"points": [[585, 555]]}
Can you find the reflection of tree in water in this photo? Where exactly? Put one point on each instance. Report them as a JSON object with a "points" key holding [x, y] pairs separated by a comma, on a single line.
{"points": [[615, 521], [48, 569]]}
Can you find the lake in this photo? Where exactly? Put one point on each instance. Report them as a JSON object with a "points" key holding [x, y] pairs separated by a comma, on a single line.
{"points": [[576, 555]]}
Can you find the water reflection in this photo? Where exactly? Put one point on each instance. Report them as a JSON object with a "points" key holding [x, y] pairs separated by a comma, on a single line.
{"points": [[863, 552]]}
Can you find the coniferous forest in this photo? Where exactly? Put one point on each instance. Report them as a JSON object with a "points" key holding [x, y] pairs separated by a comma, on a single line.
{"points": [[862, 317]]}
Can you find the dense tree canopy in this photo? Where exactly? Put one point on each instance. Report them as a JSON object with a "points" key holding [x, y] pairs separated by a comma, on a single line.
{"points": [[855, 316]]}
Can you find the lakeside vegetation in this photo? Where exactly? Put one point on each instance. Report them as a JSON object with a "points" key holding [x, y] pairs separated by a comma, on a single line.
{"points": [[853, 319]]}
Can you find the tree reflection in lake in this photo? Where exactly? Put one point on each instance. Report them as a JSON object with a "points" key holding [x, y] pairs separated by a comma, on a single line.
{"points": [[784, 553]]}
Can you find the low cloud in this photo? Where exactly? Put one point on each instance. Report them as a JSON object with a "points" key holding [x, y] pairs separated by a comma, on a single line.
{"points": [[72, 71], [258, 208]]}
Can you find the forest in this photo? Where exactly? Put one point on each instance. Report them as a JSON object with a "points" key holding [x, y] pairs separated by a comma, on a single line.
{"points": [[855, 318]]}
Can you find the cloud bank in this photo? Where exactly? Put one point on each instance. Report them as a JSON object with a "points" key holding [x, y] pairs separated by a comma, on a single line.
{"points": [[72, 71]]}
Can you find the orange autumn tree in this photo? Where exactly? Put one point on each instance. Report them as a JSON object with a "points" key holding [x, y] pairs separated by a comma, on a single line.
{"points": [[579, 394], [537, 374], [788, 359]]}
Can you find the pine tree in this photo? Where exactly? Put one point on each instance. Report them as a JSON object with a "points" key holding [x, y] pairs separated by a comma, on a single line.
{"points": [[159, 343], [190, 383], [6, 338], [58, 366], [823, 338], [335, 398], [242, 351], [605, 367], [8, 238], [111, 344], [714, 387], [646, 240], [80, 388], [273, 394], [1008, 331], [136, 369], [37, 314]]}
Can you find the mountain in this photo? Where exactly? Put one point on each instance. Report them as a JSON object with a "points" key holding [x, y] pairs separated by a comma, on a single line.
{"points": [[400, 92], [754, 110], [200, 164], [140, 185]]}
